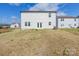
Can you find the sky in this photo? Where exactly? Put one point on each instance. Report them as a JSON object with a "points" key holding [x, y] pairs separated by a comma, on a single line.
{"points": [[10, 12]]}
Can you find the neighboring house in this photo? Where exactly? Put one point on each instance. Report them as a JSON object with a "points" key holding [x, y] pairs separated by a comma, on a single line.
{"points": [[68, 22], [46, 20], [14, 25]]}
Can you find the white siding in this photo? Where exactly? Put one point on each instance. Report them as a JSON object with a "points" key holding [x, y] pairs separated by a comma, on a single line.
{"points": [[43, 17], [68, 23], [34, 18]]}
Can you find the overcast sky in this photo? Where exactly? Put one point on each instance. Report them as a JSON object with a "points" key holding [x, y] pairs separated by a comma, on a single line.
{"points": [[11, 11]]}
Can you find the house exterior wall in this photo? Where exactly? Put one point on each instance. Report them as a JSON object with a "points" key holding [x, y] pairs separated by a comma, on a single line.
{"points": [[68, 23], [43, 17], [35, 18]]}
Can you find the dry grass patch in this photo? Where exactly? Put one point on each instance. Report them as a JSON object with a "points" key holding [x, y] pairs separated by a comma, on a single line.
{"points": [[73, 30], [37, 42]]}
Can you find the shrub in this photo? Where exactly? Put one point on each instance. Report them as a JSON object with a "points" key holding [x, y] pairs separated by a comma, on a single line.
{"points": [[0, 27], [66, 52], [36, 29], [69, 52]]}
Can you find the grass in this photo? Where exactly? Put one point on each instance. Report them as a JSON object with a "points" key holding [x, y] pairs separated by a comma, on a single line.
{"points": [[4, 30], [39, 42], [74, 31]]}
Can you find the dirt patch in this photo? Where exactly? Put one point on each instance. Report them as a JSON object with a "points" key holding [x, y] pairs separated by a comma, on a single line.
{"points": [[38, 42]]}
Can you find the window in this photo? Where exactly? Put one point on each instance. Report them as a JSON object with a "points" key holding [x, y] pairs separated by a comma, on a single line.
{"points": [[27, 23], [49, 23], [39, 24], [62, 19], [70, 25], [74, 24], [74, 19], [49, 14], [62, 25]]}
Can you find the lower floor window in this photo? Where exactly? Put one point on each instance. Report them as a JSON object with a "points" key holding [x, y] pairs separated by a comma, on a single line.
{"points": [[37, 24], [62, 25], [49, 23], [69, 24], [27, 23], [74, 24]]}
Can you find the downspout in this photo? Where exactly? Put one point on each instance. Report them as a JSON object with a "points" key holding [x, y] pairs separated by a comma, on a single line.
{"points": [[56, 21]]}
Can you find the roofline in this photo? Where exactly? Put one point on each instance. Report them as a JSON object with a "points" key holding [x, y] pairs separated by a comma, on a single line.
{"points": [[38, 11], [67, 17]]}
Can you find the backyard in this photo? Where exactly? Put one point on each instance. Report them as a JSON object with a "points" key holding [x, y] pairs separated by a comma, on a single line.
{"points": [[40, 42]]}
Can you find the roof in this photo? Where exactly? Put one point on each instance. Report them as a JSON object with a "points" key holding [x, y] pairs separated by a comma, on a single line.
{"points": [[38, 11], [67, 17]]}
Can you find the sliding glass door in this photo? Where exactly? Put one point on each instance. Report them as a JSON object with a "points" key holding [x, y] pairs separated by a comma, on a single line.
{"points": [[39, 25]]}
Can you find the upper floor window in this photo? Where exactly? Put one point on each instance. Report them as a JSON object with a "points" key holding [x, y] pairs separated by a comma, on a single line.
{"points": [[74, 19], [62, 19], [49, 14]]}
